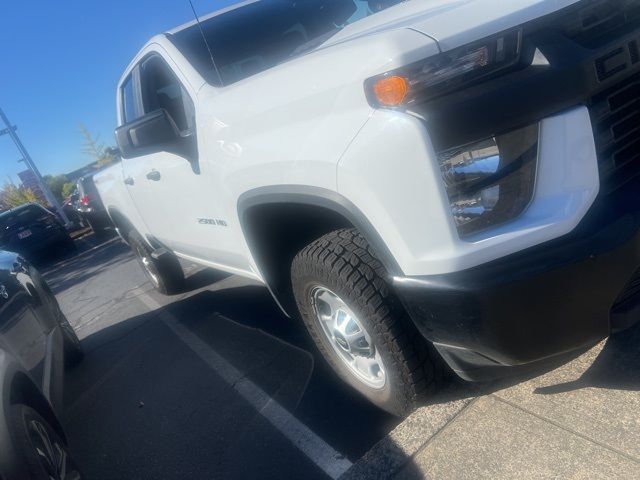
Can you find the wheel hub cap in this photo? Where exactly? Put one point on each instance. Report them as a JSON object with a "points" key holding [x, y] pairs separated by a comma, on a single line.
{"points": [[341, 341], [348, 337]]}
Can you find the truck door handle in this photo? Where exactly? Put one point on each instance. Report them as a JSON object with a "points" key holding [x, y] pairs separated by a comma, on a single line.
{"points": [[128, 181], [154, 175]]}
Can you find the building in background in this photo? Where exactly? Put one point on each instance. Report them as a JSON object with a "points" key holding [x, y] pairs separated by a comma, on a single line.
{"points": [[29, 181]]}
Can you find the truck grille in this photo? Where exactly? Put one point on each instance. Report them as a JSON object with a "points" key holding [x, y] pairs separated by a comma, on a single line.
{"points": [[595, 22], [615, 112], [615, 116]]}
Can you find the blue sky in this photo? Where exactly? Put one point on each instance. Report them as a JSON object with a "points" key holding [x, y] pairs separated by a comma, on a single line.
{"points": [[59, 67]]}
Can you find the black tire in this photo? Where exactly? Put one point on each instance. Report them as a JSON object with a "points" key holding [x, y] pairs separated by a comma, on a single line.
{"points": [[165, 273], [39, 447], [342, 262]]}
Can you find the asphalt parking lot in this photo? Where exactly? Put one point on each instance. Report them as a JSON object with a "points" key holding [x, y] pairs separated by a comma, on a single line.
{"points": [[214, 383], [217, 383]]}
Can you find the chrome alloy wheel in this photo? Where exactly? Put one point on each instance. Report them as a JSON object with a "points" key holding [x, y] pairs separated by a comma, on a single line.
{"points": [[52, 454], [348, 337]]}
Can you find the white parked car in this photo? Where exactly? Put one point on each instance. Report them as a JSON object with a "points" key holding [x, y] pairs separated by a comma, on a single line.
{"points": [[419, 181]]}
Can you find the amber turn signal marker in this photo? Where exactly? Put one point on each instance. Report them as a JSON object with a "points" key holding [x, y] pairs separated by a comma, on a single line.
{"points": [[391, 91]]}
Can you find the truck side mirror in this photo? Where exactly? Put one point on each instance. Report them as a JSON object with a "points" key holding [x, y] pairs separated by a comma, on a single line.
{"points": [[152, 133]]}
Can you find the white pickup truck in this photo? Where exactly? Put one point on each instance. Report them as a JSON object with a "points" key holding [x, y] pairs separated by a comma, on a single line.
{"points": [[428, 184]]}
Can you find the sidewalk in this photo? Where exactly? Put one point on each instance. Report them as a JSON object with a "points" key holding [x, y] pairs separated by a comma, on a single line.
{"points": [[581, 420]]}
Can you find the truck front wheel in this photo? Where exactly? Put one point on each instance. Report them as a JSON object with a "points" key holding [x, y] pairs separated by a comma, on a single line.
{"points": [[358, 324], [165, 273]]}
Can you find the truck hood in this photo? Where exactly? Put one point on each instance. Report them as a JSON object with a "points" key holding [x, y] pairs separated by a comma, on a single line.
{"points": [[452, 23]]}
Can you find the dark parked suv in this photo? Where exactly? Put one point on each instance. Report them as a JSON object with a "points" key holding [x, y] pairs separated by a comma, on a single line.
{"points": [[32, 231], [36, 342]]}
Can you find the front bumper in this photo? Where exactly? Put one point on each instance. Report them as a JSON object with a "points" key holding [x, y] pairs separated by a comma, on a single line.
{"points": [[519, 311], [569, 290]]}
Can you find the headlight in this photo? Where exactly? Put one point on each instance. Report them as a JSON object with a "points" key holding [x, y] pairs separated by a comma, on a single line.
{"points": [[443, 73], [492, 181]]}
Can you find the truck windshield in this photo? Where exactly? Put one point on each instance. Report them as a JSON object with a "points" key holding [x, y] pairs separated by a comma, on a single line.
{"points": [[258, 36]]}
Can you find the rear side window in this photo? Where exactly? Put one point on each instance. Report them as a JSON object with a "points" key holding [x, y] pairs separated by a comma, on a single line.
{"points": [[129, 109]]}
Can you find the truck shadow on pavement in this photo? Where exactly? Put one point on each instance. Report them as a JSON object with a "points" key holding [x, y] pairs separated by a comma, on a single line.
{"points": [[616, 367], [79, 269], [143, 405]]}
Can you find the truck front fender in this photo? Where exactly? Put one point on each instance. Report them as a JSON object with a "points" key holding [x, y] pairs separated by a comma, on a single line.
{"points": [[278, 221]]}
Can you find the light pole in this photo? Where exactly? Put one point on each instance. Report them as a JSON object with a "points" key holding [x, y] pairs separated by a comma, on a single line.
{"points": [[11, 131]]}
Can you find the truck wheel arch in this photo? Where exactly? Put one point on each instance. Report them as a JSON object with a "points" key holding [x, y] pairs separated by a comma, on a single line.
{"points": [[279, 221], [124, 227], [121, 222]]}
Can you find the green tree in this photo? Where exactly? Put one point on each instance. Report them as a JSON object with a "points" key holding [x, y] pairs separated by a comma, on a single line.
{"points": [[92, 146], [67, 189], [12, 196], [56, 185]]}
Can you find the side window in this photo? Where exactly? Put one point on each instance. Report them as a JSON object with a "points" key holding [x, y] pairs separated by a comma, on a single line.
{"points": [[129, 101], [161, 89]]}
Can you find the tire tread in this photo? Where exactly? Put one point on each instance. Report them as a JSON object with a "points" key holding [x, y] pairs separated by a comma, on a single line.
{"points": [[348, 258]]}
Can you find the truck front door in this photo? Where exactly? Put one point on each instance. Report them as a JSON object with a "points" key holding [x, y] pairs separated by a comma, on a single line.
{"points": [[176, 195]]}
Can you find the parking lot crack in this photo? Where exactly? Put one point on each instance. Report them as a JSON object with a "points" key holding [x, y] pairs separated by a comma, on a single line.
{"points": [[437, 433], [567, 429]]}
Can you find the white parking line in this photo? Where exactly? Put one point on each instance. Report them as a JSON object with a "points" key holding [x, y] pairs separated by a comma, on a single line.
{"points": [[314, 448]]}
